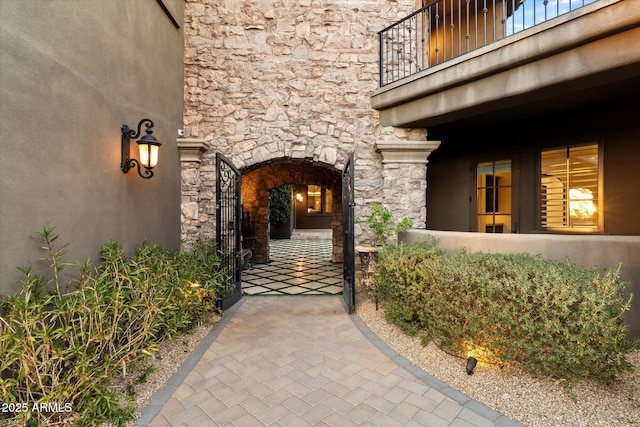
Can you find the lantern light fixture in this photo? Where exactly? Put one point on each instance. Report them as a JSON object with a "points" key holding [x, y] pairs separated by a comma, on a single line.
{"points": [[148, 147], [471, 364]]}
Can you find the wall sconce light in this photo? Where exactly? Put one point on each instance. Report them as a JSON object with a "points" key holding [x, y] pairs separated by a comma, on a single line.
{"points": [[299, 197], [148, 146], [471, 364]]}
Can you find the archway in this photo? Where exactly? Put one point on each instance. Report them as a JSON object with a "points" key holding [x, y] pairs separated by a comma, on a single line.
{"points": [[259, 179]]}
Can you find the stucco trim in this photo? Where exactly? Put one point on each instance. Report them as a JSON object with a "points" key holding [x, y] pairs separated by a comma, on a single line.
{"points": [[406, 151], [191, 149]]}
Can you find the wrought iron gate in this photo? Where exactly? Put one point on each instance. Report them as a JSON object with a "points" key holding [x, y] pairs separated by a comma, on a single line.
{"points": [[348, 256], [228, 228]]}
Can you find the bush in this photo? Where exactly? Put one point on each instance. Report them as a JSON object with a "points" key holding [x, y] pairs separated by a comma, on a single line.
{"points": [[65, 348], [383, 224], [547, 317], [280, 204]]}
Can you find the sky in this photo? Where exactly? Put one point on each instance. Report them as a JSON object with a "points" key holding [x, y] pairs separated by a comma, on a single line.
{"points": [[531, 12]]}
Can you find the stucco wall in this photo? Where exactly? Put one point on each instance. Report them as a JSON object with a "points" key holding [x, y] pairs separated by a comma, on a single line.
{"points": [[71, 74], [600, 252], [451, 178]]}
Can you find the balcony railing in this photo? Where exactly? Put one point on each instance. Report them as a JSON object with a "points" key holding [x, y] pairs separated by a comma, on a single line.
{"points": [[446, 29]]}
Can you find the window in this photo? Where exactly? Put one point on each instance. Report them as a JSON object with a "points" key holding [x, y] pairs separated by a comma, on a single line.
{"points": [[319, 200], [570, 187], [494, 196]]}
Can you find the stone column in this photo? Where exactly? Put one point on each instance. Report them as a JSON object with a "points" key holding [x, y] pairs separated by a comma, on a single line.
{"points": [[260, 213], [337, 227], [191, 150], [404, 176]]}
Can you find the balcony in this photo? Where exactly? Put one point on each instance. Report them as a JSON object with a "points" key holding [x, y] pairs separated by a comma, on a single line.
{"points": [[446, 29], [455, 60]]}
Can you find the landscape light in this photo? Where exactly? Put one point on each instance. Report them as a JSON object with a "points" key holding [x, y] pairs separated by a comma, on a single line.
{"points": [[471, 364]]}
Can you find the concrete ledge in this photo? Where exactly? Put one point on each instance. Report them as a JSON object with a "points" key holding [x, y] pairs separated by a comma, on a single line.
{"points": [[406, 151], [191, 149]]}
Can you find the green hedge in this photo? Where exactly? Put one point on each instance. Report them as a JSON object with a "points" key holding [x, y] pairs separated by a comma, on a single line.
{"points": [[280, 204], [63, 342], [547, 317]]}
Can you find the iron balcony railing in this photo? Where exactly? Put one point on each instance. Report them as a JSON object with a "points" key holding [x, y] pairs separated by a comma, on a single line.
{"points": [[445, 29]]}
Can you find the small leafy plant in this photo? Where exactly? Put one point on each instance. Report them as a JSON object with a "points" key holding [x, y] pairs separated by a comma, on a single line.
{"points": [[383, 224], [64, 342]]}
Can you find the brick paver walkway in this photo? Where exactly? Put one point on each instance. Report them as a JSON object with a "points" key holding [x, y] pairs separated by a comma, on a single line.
{"points": [[302, 361]]}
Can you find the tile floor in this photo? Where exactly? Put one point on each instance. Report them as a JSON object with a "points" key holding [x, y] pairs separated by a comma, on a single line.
{"points": [[297, 267]]}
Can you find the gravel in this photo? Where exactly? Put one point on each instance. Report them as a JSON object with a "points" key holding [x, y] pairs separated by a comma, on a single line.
{"points": [[535, 402], [170, 356]]}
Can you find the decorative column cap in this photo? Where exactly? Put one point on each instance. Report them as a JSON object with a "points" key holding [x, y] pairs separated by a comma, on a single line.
{"points": [[401, 151], [191, 149]]}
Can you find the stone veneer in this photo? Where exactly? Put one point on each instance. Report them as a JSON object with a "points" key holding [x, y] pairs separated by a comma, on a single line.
{"points": [[282, 88]]}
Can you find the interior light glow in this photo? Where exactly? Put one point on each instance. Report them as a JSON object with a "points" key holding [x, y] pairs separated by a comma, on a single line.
{"points": [[581, 203]]}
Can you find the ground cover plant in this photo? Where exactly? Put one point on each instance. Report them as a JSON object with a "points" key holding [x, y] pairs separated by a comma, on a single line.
{"points": [[546, 317], [64, 341]]}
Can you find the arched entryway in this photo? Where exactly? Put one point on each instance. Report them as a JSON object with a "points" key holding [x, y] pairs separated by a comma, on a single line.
{"points": [[259, 179], [402, 187]]}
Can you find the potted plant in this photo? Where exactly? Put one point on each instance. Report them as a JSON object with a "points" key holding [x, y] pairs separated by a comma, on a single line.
{"points": [[384, 226], [280, 212]]}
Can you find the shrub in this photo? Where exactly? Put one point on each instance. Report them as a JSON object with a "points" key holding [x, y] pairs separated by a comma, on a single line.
{"points": [[65, 348], [280, 204], [383, 224], [547, 317]]}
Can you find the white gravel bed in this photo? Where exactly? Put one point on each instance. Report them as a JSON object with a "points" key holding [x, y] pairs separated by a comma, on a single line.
{"points": [[535, 402]]}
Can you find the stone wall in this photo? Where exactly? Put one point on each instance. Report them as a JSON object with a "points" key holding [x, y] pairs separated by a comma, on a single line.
{"points": [[274, 80]]}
